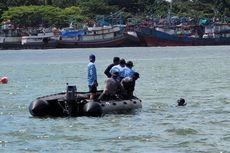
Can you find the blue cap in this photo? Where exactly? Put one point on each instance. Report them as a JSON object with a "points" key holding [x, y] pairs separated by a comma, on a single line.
{"points": [[115, 71], [92, 57]]}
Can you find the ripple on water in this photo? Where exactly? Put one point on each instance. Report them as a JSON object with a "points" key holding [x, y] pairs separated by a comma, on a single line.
{"points": [[183, 131], [198, 74]]}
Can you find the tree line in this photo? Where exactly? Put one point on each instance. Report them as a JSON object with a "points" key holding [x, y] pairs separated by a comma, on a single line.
{"points": [[61, 12]]}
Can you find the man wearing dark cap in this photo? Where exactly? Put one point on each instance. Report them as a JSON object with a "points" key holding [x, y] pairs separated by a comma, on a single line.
{"points": [[92, 76], [116, 61], [128, 84]]}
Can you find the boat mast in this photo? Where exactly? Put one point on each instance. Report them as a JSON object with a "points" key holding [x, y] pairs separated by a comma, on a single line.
{"points": [[169, 12]]}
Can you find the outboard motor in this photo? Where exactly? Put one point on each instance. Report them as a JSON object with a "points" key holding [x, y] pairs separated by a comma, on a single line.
{"points": [[71, 106]]}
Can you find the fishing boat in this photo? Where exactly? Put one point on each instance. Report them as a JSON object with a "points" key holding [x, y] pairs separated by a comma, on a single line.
{"points": [[184, 31], [40, 40], [73, 103], [189, 35], [10, 36], [95, 37]]}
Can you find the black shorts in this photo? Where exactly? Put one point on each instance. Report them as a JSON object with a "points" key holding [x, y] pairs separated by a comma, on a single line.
{"points": [[92, 89]]}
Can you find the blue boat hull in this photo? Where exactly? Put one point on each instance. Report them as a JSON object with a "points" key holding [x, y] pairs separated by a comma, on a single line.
{"points": [[152, 37]]}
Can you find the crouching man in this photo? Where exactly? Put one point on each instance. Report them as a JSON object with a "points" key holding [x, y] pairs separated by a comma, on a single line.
{"points": [[112, 88], [128, 84]]}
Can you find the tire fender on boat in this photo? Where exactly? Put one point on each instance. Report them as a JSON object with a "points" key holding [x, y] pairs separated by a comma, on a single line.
{"points": [[39, 108], [92, 109]]}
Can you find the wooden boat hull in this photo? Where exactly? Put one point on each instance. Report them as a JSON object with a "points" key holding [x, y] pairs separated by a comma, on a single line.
{"points": [[120, 41], [10, 42], [40, 45]]}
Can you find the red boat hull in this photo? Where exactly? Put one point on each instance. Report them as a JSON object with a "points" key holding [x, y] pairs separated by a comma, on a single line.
{"points": [[153, 41], [121, 41]]}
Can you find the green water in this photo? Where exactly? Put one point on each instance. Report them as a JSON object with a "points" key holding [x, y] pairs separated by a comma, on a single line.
{"points": [[199, 74]]}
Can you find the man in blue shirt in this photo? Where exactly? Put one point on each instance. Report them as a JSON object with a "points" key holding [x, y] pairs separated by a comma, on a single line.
{"points": [[120, 69], [92, 76], [128, 71]]}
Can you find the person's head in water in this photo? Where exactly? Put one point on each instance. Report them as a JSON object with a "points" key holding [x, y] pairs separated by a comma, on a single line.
{"points": [[181, 102], [116, 60], [92, 58]]}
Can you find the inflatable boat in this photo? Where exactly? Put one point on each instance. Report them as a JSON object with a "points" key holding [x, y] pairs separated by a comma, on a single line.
{"points": [[73, 103]]}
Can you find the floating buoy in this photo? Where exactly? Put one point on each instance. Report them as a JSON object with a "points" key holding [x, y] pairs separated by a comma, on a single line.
{"points": [[3, 80]]}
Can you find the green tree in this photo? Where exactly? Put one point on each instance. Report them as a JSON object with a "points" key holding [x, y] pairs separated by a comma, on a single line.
{"points": [[64, 11], [9, 3], [64, 3], [71, 15], [3, 8], [91, 8], [32, 16]]}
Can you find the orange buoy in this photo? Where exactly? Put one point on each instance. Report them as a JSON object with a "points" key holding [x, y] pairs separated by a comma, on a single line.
{"points": [[3, 80]]}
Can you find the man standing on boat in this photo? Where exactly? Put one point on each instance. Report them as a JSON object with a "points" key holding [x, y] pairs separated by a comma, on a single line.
{"points": [[116, 61], [92, 76]]}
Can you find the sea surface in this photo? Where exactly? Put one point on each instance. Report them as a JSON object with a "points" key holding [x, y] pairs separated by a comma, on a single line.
{"points": [[201, 75]]}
